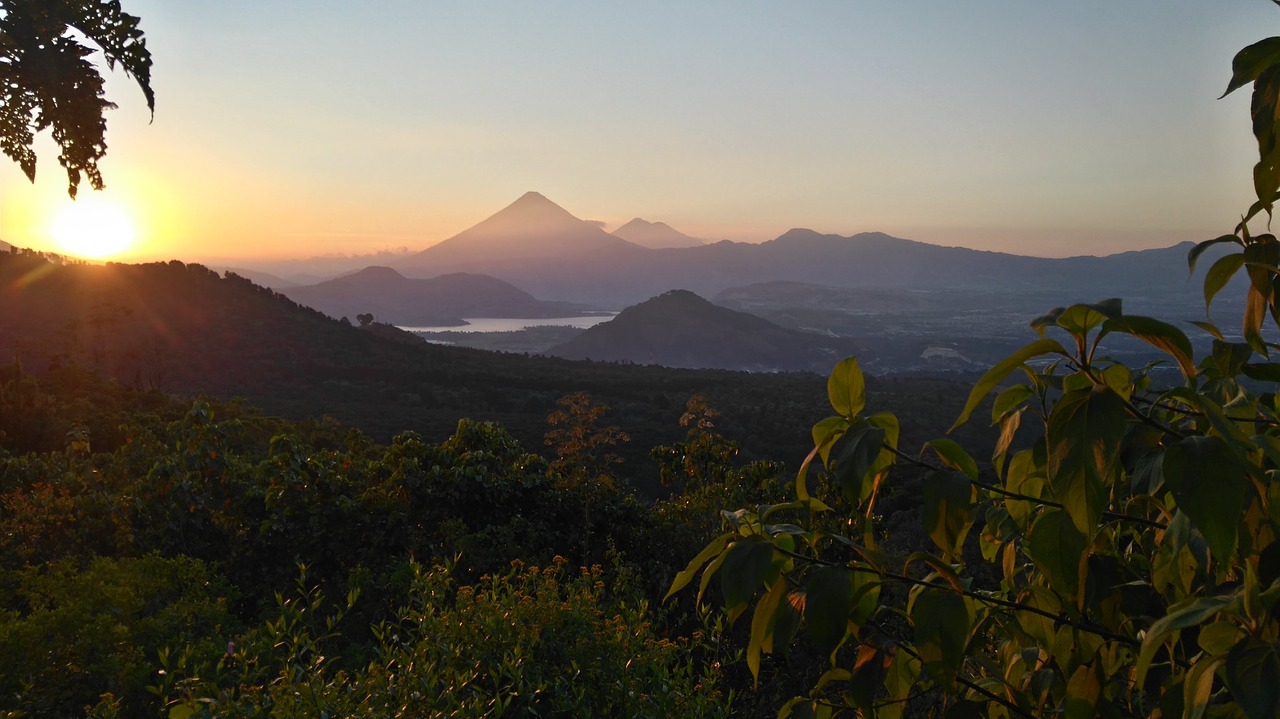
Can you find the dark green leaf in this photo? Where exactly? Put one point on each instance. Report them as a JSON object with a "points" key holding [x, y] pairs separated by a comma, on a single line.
{"points": [[853, 457], [1056, 546], [1084, 436], [954, 456], [1209, 484], [827, 606], [1251, 62], [1194, 255], [1268, 372], [941, 620], [745, 567], [947, 509], [1183, 616], [1253, 678], [1219, 274]]}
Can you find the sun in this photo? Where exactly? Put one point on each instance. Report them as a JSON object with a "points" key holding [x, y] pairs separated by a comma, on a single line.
{"points": [[93, 228]]}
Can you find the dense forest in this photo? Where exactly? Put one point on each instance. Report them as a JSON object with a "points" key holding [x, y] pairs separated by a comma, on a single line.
{"points": [[167, 546]]}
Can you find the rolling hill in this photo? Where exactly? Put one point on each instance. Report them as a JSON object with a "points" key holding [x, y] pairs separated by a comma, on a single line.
{"points": [[681, 329], [436, 302]]}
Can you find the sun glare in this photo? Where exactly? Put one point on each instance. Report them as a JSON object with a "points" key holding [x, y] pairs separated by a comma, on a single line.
{"points": [[93, 228]]}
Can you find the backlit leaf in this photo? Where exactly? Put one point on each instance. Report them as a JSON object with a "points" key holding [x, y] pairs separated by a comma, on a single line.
{"points": [[846, 388], [1003, 369]]}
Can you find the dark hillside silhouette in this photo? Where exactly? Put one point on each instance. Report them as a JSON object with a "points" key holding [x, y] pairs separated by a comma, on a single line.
{"points": [[440, 301]]}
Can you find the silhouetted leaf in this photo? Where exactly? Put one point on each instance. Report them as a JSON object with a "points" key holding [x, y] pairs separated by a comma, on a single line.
{"points": [[1251, 62], [1194, 255]]}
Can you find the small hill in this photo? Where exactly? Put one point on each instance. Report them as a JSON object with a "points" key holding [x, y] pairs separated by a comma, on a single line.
{"points": [[437, 302], [532, 231], [680, 329], [655, 235]]}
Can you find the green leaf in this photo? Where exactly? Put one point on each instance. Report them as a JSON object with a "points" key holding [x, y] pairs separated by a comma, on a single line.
{"points": [[1209, 484], [1219, 274], [1084, 436], [941, 620], [762, 623], [1056, 546], [1194, 254], [686, 575], [1198, 687], [1253, 677], [1080, 319], [853, 457], [947, 509], [1251, 62], [826, 432], [1010, 400], [1181, 616], [746, 565], [1083, 691], [846, 388], [829, 600], [1255, 307], [1161, 335], [1265, 372], [1003, 369], [954, 456], [1230, 357]]}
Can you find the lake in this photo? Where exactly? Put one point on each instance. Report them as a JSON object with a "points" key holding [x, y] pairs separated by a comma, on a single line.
{"points": [[507, 324]]}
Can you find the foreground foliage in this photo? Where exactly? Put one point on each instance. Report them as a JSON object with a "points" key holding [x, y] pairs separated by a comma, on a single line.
{"points": [[1123, 564]]}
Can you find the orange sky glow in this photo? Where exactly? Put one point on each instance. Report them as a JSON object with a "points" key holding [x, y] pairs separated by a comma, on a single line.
{"points": [[1040, 128]]}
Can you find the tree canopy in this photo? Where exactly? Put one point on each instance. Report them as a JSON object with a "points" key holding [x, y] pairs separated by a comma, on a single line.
{"points": [[48, 79]]}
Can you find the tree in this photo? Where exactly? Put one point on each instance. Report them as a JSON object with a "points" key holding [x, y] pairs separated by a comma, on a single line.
{"points": [[1126, 563], [48, 82]]}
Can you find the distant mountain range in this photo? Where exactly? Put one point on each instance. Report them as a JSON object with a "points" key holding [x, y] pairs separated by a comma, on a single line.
{"points": [[655, 235], [680, 329], [541, 248], [436, 302]]}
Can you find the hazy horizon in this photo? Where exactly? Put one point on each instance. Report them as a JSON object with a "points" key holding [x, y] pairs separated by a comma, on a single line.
{"points": [[1033, 128]]}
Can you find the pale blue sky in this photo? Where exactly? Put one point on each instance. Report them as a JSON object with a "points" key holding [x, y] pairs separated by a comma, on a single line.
{"points": [[1049, 128]]}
